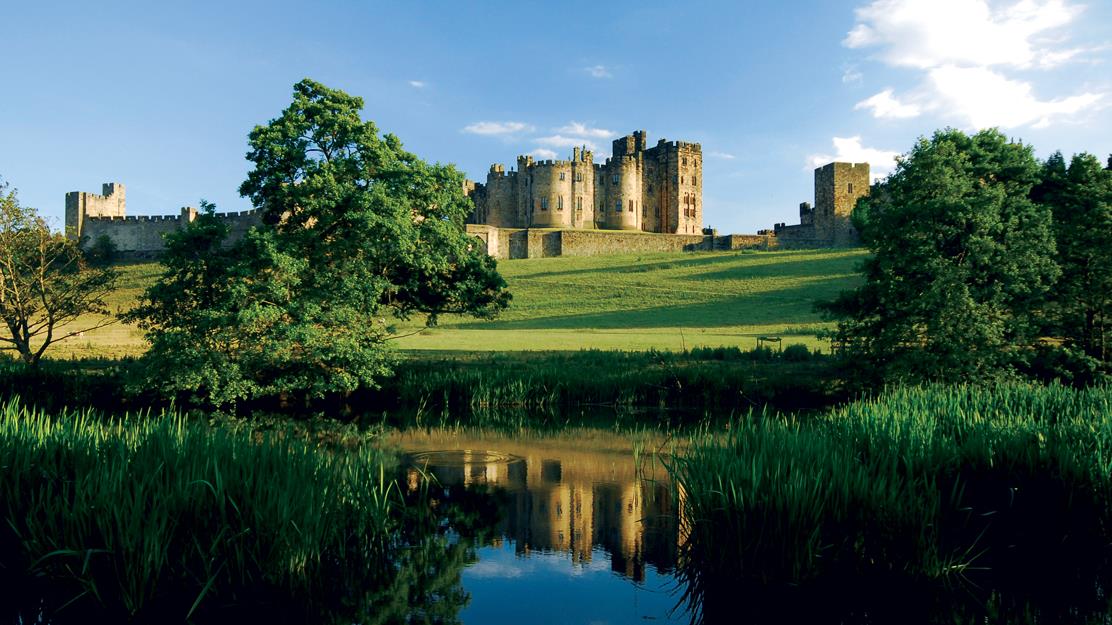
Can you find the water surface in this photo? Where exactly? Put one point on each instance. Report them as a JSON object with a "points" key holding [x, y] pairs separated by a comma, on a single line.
{"points": [[585, 530]]}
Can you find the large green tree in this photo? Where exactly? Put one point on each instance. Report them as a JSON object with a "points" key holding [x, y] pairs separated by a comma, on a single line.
{"points": [[1080, 197], [962, 260], [356, 231]]}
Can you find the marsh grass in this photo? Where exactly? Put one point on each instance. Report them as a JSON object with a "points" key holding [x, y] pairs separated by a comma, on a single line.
{"points": [[1006, 486], [159, 518], [722, 380]]}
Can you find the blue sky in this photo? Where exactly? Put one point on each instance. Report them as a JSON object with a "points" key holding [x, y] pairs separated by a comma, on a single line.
{"points": [[162, 97]]}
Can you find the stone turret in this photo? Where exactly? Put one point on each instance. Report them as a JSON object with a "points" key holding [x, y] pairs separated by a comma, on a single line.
{"points": [[80, 205]]}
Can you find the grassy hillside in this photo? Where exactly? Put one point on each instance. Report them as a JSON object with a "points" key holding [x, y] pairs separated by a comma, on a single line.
{"points": [[663, 301]]}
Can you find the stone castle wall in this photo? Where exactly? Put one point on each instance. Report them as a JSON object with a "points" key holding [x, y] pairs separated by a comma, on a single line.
{"points": [[838, 186], [512, 243], [639, 188], [90, 216]]}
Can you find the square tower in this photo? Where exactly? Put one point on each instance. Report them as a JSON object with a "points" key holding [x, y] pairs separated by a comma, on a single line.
{"points": [[838, 186], [80, 204]]}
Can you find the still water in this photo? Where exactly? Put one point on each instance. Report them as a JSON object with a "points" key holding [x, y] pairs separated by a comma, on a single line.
{"points": [[583, 531]]}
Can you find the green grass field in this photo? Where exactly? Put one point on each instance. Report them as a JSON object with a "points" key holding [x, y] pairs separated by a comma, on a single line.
{"points": [[665, 301]]}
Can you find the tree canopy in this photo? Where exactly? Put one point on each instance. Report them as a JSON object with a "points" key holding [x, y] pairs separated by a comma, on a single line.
{"points": [[962, 263], [48, 293], [1080, 197], [355, 231]]}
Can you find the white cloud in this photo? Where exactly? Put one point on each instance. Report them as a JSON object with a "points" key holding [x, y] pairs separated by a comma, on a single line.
{"points": [[497, 128], [562, 141], [418, 84], [986, 98], [722, 155], [598, 71], [964, 50], [850, 150], [885, 106], [543, 154], [929, 33], [582, 130], [851, 75]]}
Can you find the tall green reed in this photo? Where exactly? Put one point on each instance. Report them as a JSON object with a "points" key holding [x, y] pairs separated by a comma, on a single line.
{"points": [[936, 483], [145, 515]]}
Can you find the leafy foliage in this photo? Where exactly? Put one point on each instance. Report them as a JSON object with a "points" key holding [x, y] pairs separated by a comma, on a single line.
{"points": [[962, 263], [1080, 197], [356, 230], [45, 285]]}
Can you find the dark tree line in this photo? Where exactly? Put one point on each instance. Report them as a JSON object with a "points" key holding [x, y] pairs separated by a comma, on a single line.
{"points": [[985, 264]]}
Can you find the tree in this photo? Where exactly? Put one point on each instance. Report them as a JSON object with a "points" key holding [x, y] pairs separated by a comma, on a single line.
{"points": [[961, 263], [1080, 198], [356, 231], [47, 292]]}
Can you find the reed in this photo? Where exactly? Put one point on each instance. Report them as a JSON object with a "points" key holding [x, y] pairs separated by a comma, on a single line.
{"points": [[722, 380], [1007, 484], [159, 518]]}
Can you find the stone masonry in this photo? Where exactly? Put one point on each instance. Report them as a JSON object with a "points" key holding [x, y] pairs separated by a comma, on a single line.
{"points": [[90, 216], [837, 189], [639, 188]]}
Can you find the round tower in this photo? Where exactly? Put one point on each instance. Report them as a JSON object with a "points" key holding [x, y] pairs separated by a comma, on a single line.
{"points": [[625, 197], [552, 194]]}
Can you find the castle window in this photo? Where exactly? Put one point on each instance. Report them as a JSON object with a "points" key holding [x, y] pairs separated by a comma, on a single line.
{"points": [[656, 210], [559, 202], [617, 206], [544, 203], [578, 177], [685, 161], [579, 203], [681, 179], [631, 206], [616, 178], [851, 187], [694, 180], [561, 175]]}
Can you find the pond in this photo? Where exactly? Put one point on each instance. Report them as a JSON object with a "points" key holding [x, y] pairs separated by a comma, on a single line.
{"points": [[585, 530]]}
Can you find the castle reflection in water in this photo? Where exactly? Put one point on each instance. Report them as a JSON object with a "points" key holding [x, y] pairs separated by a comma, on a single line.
{"points": [[574, 502]]}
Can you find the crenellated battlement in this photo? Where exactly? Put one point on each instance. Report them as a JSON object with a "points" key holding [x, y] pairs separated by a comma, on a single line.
{"points": [[838, 186], [90, 216], [637, 187]]}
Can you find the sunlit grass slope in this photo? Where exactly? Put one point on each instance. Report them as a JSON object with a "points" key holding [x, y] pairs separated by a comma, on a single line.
{"points": [[662, 301]]}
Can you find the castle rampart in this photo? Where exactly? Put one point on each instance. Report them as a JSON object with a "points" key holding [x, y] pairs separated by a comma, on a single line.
{"points": [[638, 188], [90, 216], [838, 186]]}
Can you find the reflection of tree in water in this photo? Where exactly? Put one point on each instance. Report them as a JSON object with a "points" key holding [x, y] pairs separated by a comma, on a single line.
{"points": [[439, 539], [418, 582]]}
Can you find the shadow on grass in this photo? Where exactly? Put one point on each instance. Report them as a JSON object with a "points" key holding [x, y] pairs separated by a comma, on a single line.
{"points": [[758, 308], [635, 265]]}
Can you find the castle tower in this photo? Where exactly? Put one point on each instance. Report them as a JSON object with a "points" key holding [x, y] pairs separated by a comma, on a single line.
{"points": [[79, 204], [837, 189], [552, 194]]}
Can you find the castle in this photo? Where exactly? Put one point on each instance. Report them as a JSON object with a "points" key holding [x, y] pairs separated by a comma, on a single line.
{"points": [[90, 216], [657, 189], [640, 200], [838, 186]]}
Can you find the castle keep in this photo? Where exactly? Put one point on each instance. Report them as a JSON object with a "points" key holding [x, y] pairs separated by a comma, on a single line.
{"points": [[837, 189], [90, 216], [639, 188]]}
